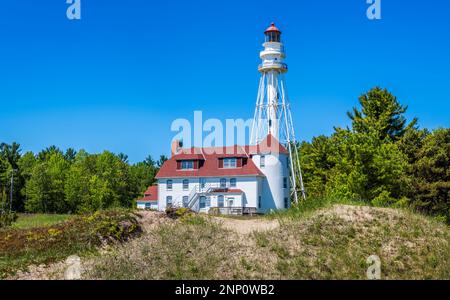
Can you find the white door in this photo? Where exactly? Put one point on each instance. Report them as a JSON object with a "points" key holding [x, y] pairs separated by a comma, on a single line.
{"points": [[230, 202]]}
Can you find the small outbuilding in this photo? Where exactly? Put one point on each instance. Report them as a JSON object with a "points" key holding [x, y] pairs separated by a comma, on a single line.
{"points": [[150, 200]]}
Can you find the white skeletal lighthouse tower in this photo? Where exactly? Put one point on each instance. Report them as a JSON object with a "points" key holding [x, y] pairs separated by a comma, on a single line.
{"points": [[273, 113]]}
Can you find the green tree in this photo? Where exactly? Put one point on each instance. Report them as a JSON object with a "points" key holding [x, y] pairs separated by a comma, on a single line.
{"points": [[45, 154], [123, 157], [77, 188], [316, 163], [381, 113], [12, 154], [5, 167], [366, 168], [45, 188], [26, 164], [430, 174], [363, 162], [70, 155], [161, 161], [38, 188], [100, 181], [143, 175], [149, 161]]}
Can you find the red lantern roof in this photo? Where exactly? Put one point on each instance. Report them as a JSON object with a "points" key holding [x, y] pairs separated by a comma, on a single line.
{"points": [[272, 28]]}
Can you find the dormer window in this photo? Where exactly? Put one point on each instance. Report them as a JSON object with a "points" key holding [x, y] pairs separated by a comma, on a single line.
{"points": [[187, 165], [230, 163]]}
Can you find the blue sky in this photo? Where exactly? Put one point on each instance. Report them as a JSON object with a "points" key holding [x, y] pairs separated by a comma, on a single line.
{"points": [[118, 78]]}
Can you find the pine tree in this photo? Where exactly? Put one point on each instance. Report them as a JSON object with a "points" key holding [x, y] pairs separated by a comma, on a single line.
{"points": [[382, 113]]}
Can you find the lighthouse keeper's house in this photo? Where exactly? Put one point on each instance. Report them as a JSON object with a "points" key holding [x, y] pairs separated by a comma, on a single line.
{"points": [[232, 180]]}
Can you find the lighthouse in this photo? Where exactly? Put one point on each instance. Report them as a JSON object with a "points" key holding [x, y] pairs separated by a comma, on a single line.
{"points": [[273, 115], [241, 179]]}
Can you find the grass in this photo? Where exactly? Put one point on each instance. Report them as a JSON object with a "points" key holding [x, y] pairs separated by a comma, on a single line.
{"points": [[177, 250], [26, 221], [307, 207], [335, 244], [315, 241], [80, 235], [242, 218]]}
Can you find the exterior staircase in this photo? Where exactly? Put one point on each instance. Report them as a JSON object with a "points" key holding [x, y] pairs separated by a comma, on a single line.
{"points": [[197, 192]]}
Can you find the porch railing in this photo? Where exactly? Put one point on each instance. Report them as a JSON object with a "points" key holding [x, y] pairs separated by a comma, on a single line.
{"points": [[237, 211]]}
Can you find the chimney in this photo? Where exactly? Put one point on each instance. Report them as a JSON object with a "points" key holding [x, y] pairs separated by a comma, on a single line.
{"points": [[176, 147]]}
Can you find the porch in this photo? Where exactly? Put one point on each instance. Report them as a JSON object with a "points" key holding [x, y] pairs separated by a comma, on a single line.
{"points": [[234, 211]]}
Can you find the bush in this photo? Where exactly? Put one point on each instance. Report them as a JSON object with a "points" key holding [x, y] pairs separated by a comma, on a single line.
{"points": [[7, 219], [80, 235], [215, 211], [176, 213]]}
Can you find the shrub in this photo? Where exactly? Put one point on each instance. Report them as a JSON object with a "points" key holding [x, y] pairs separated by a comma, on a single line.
{"points": [[80, 235], [215, 211], [7, 218], [176, 213]]}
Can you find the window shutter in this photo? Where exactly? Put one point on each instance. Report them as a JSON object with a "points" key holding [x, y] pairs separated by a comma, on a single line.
{"points": [[178, 165], [221, 163], [239, 163]]}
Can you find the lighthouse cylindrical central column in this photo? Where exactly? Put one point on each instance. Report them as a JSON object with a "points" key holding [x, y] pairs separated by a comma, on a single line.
{"points": [[272, 101]]}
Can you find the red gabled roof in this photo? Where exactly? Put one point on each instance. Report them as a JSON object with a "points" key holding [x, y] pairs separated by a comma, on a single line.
{"points": [[151, 195], [187, 156], [210, 168], [269, 145], [211, 157]]}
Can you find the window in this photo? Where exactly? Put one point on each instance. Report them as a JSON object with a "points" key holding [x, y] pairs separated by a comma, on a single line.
{"points": [[202, 182], [230, 202], [273, 37], [186, 184], [169, 201], [259, 202], [233, 182], [185, 201], [148, 205], [169, 185], [262, 162], [230, 163], [286, 202], [285, 183], [202, 202], [208, 201], [221, 201], [187, 165], [223, 183]]}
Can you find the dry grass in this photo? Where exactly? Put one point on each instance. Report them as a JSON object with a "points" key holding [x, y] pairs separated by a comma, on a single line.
{"points": [[332, 243], [335, 243], [81, 235]]}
